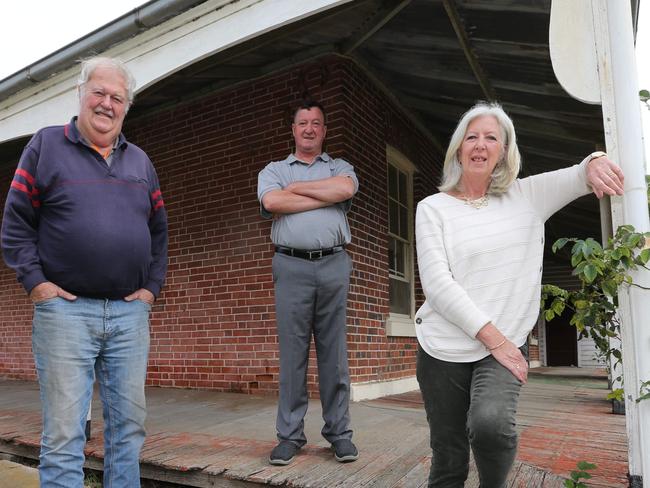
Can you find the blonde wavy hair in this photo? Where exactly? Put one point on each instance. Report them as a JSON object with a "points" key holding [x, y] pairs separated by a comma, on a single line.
{"points": [[506, 170]]}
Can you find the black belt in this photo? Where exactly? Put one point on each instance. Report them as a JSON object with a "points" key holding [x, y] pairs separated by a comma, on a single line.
{"points": [[305, 254]]}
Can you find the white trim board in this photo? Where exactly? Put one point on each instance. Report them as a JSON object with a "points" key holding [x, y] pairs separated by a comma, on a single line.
{"points": [[378, 389]]}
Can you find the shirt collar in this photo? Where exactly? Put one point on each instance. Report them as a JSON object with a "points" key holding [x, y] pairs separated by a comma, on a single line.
{"points": [[73, 135], [322, 156]]}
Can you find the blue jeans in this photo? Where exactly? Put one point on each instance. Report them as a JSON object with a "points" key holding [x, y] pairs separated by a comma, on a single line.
{"points": [[469, 403], [75, 342]]}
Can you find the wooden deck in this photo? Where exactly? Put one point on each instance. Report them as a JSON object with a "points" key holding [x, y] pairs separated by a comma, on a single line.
{"points": [[208, 439]]}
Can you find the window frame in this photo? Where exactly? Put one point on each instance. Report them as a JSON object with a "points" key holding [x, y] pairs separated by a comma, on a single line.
{"points": [[402, 325]]}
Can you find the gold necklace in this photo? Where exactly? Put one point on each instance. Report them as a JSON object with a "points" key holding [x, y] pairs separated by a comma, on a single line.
{"points": [[477, 203]]}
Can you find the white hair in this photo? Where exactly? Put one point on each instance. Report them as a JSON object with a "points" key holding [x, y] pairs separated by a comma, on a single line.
{"points": [[506, 169], [88, 67]]}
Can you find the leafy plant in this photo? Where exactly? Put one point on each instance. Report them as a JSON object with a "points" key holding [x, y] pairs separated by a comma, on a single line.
{"points": [[601, 272], [644, 95], [580, 473]]}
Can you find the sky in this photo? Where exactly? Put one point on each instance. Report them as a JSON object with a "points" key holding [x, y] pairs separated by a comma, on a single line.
{"points": [[32, 29]]}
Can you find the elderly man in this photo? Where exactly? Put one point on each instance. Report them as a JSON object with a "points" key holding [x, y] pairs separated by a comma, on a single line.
{"points": [[85, 229], [309, 194]]}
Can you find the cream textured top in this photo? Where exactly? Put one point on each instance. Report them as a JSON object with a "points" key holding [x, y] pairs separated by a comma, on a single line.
{"points": [[485, 265]]}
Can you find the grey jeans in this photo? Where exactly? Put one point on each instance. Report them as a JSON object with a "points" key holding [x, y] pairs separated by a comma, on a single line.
{"points": [[469, 404]]}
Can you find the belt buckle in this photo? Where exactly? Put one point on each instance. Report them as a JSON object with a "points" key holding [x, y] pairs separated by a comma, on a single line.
{"points": [[316, 254]]}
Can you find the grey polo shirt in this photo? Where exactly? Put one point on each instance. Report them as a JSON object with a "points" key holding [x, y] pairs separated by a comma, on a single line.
{"points": [[320, 228]]}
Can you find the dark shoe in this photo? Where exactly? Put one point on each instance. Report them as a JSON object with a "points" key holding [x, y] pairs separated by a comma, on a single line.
{"points": [[283, 453], [345, 451]]}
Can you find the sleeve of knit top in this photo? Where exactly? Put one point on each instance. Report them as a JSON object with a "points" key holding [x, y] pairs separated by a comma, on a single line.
{"points": [[21, 219], [549, 192], [441, 290]]}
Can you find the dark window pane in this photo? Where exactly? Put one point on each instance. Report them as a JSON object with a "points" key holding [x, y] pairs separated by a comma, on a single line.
{"points": [[403, 223], [393, 217], [400, 297], [403, 194]]}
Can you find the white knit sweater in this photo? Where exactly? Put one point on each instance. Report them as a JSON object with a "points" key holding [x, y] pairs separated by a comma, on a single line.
{"points": [[485, 265]]}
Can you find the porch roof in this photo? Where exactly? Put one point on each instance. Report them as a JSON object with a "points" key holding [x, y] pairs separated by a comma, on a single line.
{"points": [[435, 57]]}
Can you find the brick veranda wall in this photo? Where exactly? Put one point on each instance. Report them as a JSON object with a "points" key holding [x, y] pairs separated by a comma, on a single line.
{"points": [[213, 326]]}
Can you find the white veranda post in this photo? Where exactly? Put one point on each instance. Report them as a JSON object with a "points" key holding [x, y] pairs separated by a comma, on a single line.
{"points": [[592, 49]]}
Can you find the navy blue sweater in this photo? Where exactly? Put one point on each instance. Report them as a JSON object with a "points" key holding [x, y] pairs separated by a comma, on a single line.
{"points": [[94, 230]]}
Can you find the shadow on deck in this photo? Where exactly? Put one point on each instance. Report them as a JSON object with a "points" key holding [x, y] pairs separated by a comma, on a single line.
{"points": [[209, 439]]}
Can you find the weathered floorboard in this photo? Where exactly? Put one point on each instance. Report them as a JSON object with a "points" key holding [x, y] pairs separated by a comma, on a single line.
{"points": [[209, 439]]}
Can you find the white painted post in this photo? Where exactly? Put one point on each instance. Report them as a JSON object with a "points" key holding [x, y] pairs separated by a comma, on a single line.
{"points": [[613, 36]]}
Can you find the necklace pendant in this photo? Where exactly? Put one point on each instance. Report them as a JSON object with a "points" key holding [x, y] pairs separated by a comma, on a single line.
{"points": [[478, 202]]}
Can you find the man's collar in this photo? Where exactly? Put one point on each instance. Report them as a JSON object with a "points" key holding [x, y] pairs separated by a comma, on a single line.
{"points": [[73, 135], [322, 156]]}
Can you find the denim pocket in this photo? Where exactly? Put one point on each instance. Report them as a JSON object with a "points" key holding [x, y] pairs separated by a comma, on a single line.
{"points": [[46, 301], [146, 304]]}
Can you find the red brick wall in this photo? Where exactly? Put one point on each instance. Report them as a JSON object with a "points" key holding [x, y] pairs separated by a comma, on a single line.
{"points": [[213, 326]]}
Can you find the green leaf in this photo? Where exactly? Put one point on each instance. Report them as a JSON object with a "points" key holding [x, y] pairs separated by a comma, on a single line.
{"points": [[584, 465], [644, 256], [582, 474], [559, 244], [616, 394], [577, 247], [644, 94], [609, 288], [643, 397], [633, 240], [581, 304], [590, 273], [548, 315], [591, 247], [575, 259]]}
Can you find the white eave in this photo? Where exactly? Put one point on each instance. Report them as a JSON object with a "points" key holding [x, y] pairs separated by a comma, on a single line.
{"points": [[44, 93]]}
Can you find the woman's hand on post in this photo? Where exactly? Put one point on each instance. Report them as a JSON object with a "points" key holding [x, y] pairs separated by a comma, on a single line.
{"points": [[604, 176]]}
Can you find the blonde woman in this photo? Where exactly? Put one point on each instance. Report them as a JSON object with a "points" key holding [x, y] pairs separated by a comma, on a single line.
{"points": [[480, 244]]}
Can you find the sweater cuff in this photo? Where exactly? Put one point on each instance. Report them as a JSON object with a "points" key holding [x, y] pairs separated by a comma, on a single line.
{"points": [[32, 279], [153, 287], [472, 328], [583, 172]]}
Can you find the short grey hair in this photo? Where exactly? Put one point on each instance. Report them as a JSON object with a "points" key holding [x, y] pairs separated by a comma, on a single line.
{"points": [[88, 67], [506, 170]]}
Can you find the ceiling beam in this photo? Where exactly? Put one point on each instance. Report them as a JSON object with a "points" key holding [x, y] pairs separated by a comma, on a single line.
{"points": [[463, 38], [549, 155], [381, 18], [542, 7], [496, 47]]}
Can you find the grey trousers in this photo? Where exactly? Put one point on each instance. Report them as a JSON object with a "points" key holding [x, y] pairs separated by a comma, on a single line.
{"points": [[469, 403], [312, 296]]}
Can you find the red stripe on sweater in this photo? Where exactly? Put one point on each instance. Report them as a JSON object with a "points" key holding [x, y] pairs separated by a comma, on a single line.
{"points": [[31, 194], [26, 175], [21, 187]]}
